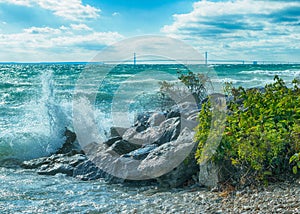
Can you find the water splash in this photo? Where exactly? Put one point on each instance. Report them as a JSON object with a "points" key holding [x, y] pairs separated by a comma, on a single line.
{"points": [[37, 129]]}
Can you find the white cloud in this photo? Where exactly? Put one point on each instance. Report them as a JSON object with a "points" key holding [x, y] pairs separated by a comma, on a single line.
{"points": [[73, 10], [116, 14], [56, 44], [44, 30], [80, 27], [18, 2], [239, 27]]}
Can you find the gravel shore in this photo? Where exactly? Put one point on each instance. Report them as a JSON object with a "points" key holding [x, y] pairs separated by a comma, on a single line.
{"points": [[282, 197]]}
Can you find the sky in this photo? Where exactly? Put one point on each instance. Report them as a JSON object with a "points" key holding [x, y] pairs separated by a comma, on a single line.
{"points": [[76, 30]]}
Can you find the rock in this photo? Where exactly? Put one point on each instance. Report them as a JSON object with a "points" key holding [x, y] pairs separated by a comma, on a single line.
{"points": [[10, 163], [123, 147], [156, 119], [57, 163], [141, 154], [167, 131], [166, 163], [56, 169], [189, 124], [117, 131], [182, 173], [173, 113], [142, 118], [211, 174], [112, 140], [36, 163], [193, 117], [70, 145], [87, 171], [170, 130], [184, 109]]}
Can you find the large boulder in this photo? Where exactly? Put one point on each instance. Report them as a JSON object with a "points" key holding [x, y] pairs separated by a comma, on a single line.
{"points": [[165, 132], [184, 110], [142, 153], [117, 131], [112, 140], [172, 163], [123, 147], [156, 119]]}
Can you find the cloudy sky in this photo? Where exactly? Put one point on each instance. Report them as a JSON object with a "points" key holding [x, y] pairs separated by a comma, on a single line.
{"points": [[75, 30]]}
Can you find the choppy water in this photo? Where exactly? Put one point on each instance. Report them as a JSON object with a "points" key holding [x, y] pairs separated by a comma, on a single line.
{"points": [[36, 106]]}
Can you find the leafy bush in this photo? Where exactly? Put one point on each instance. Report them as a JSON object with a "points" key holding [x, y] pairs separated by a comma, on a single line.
{"points": [[262, 130], [190, 84]]}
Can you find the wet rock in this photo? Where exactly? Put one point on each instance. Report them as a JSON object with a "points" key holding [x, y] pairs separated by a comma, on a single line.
{"points": [[70, 144], [58, 163], [56, 169], [123, 147], [117, 131], [87, 171], [112, 140], [141, 154], [35, 163], [10, 163]]}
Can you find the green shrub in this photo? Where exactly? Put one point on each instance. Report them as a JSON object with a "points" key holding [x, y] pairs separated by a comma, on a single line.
{"points": [[262, 130], [190, 84]]}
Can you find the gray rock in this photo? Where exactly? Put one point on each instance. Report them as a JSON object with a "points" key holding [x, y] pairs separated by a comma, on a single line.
{"points": [[173, 113], [171, 163], [70, 144], [58, 163], [211, 174], [87, 171], [182, 173], [36, 163], [56, 169], [185, 109], [165, 132], [141, 154], [193, 117], [142, 118], [123, 147], [112, 140], [170, 130], [117, 131], [10, 163], [156, 119]]}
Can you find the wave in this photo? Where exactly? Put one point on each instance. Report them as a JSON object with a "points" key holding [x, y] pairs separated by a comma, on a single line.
{"points": [[288, 73], [37, 130]]}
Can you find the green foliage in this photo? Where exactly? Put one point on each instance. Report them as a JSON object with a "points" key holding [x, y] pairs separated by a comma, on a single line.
{"points": [[189, 84], [262, 129], [295, 160], [195, 83]]}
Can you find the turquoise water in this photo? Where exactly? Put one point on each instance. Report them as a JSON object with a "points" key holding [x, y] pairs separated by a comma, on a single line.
{"points": [[36, 106]]}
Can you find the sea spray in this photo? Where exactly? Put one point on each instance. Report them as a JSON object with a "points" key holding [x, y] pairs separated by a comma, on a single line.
{"points": [[38, 129]]}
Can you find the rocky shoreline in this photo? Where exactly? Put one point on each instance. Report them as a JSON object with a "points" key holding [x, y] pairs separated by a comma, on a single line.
{"points": [[161, 133], [158, 147]]}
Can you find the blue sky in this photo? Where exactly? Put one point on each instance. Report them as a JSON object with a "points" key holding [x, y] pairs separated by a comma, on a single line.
{"points": [[76, 30]]}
